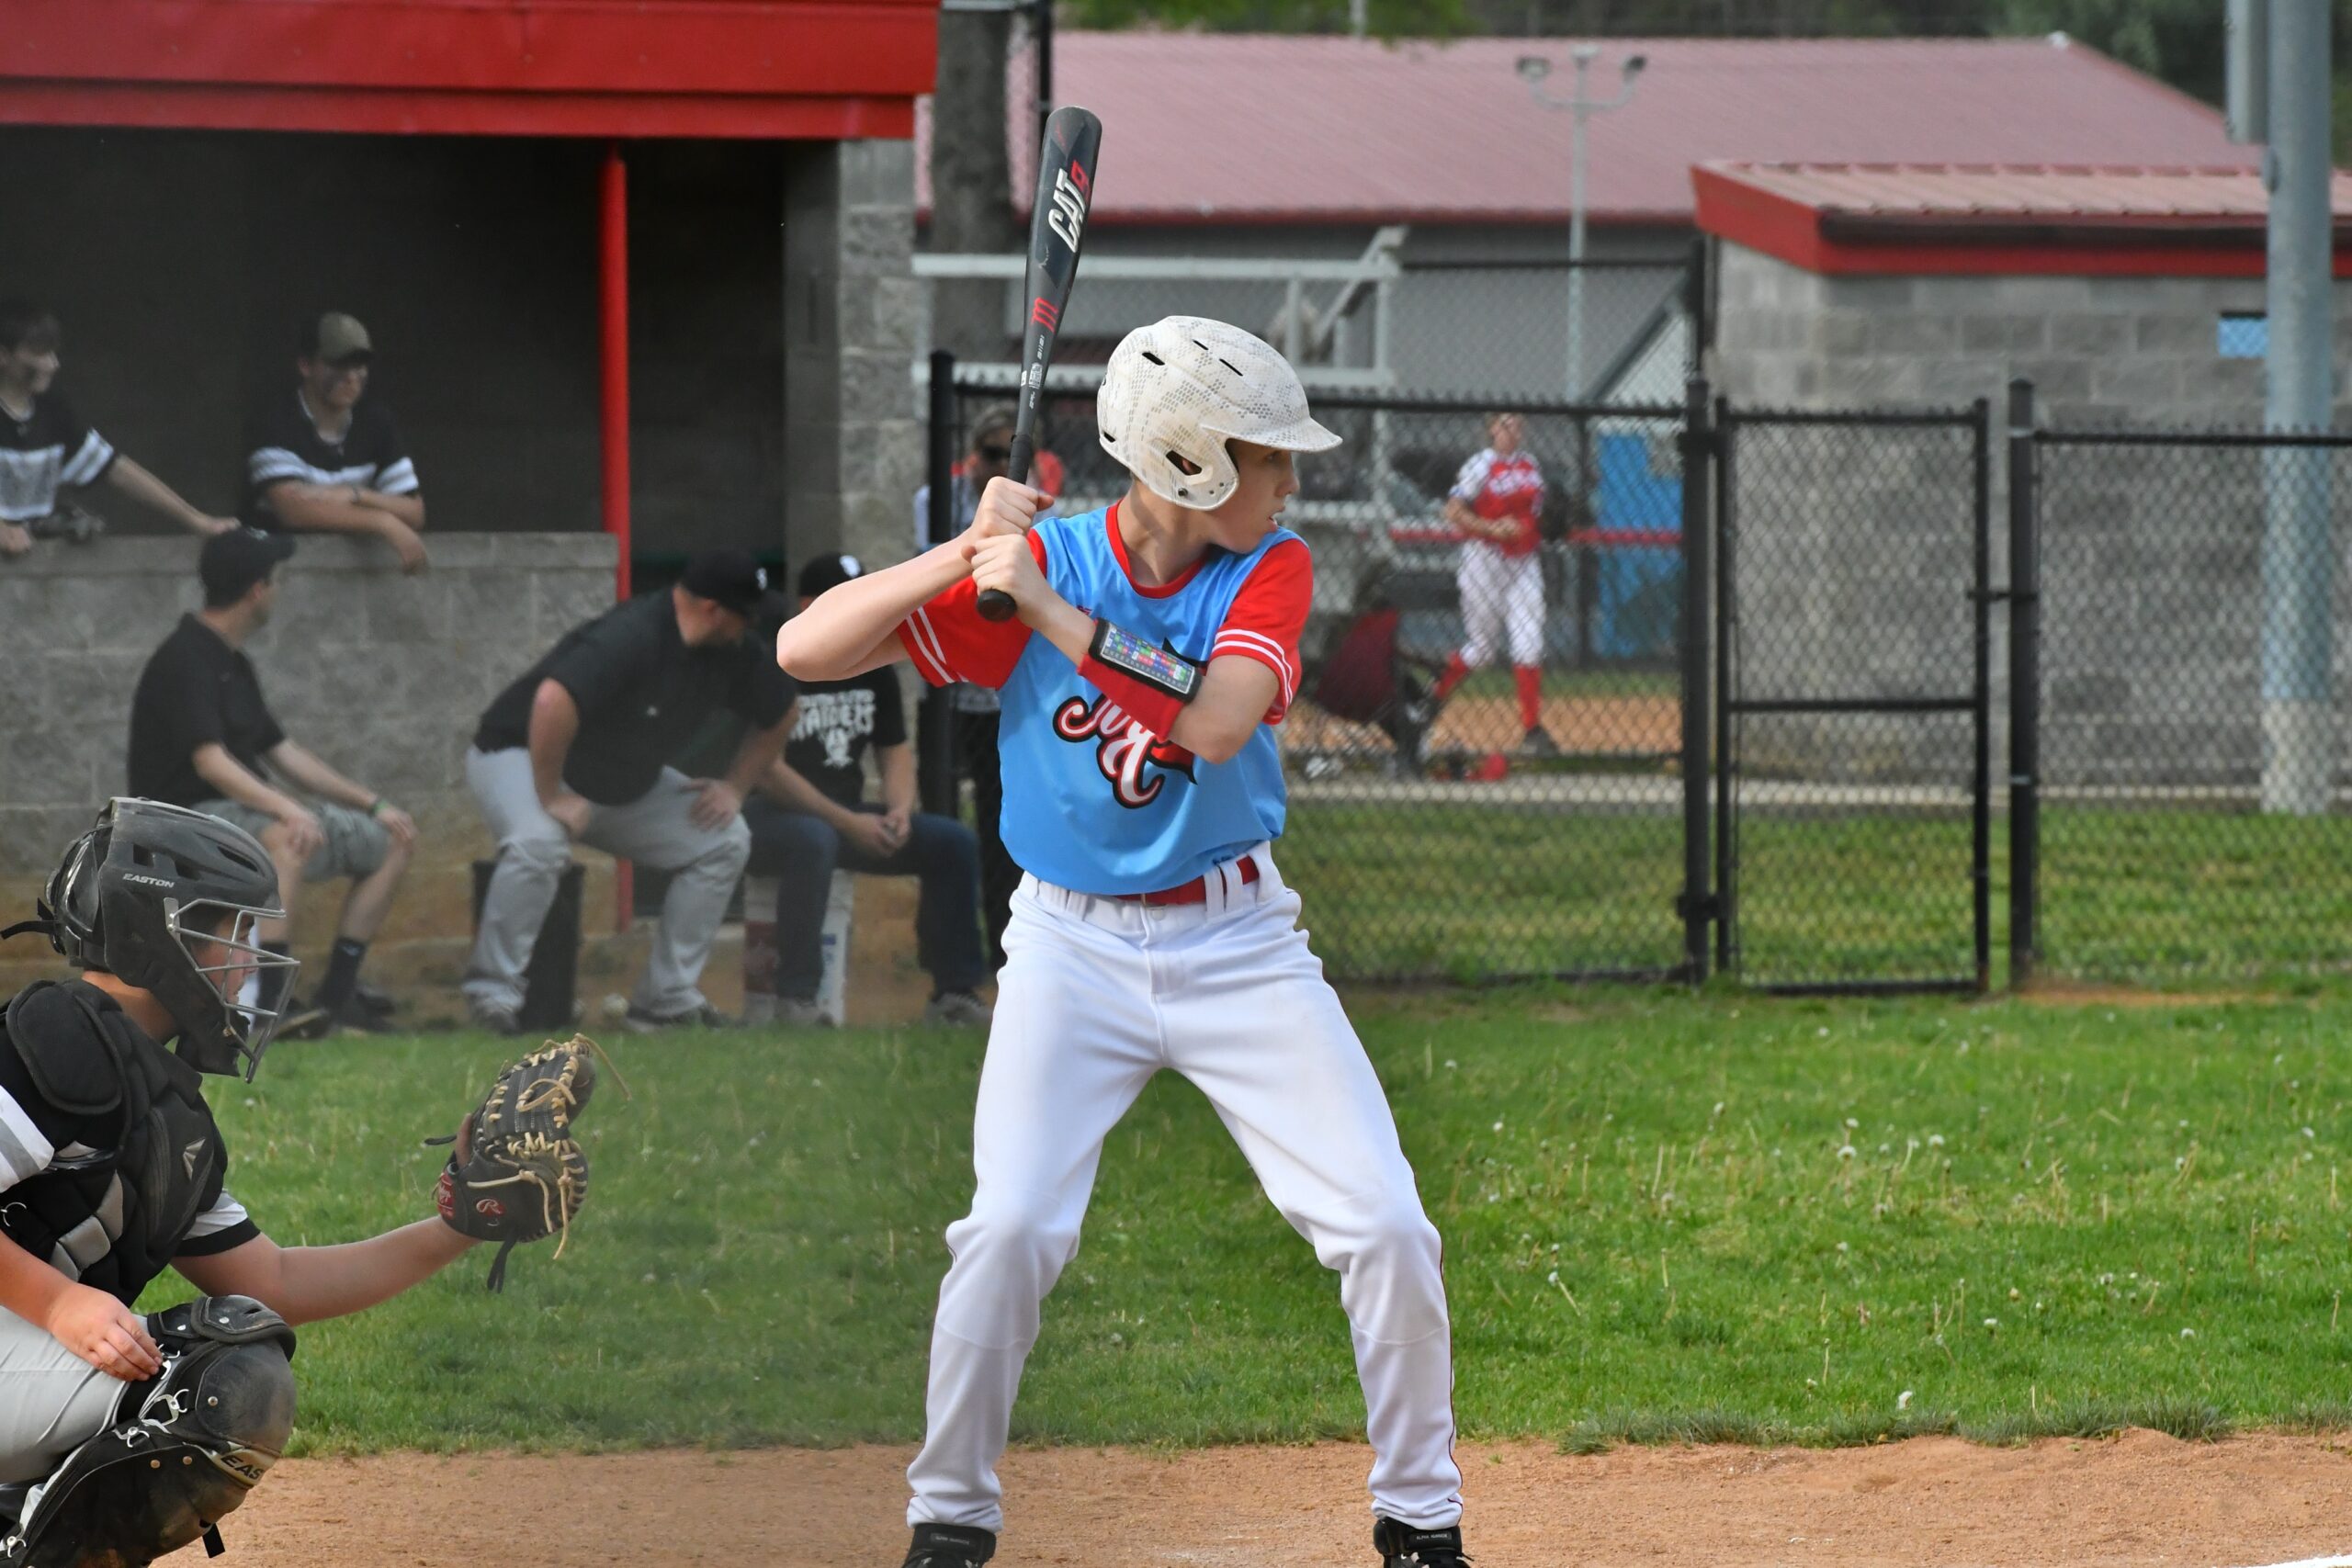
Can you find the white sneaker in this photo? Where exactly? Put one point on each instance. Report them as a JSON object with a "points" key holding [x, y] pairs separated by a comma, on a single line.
{"points": [[794, 1013], [492, 1017], [958, 1009]]}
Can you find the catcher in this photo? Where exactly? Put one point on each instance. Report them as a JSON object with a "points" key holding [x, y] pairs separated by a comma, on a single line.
{"points": [[124, 1437]]}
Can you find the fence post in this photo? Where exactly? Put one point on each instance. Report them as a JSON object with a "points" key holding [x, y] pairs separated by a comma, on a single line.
{"points": [[1724, 541], [1979, 778], [936, 756], [2025, 686], [1697, 904], [1697, 302]]}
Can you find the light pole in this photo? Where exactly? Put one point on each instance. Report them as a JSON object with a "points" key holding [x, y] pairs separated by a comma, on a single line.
{"points": [[1534, 69]]}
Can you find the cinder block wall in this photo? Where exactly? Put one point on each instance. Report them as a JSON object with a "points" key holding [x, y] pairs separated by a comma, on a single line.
{"points": [[382, 675], [2151, 560]]}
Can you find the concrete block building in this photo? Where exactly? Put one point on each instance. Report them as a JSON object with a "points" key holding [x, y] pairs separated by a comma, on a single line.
{"points": [[2129, 298]]}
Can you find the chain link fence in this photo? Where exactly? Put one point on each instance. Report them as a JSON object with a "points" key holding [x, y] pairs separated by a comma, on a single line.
{"points": [[1471, 822], [2190, 730], [1489, 765]]}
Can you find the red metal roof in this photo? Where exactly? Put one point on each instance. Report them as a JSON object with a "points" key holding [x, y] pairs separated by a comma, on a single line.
{"points": [[1894, 218], [705, 68], [1227, 128]]}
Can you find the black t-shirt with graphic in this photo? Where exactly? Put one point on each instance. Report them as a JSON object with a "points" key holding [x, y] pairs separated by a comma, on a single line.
{"points": [[50, 449], [196, 690], [838, 720]]}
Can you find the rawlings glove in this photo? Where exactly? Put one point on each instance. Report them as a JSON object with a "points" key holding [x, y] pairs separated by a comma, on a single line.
{"points": [[517, 1174]]}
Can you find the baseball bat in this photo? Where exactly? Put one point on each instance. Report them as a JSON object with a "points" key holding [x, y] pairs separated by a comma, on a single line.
{"points": [[1056, 228]]}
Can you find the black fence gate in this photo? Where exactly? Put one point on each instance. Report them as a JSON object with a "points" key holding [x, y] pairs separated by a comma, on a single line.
{"points": [[1853, 720]]}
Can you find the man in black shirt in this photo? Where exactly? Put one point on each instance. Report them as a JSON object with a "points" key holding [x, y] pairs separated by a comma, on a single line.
{"points": [[202, 737], [810, 817], [579, 747], [322, 459], [45, 447]]}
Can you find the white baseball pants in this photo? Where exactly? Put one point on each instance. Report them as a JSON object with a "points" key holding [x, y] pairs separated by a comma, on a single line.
{"points": [[52, 1402], [657, 829], [1502, 596], [1096, 996]]}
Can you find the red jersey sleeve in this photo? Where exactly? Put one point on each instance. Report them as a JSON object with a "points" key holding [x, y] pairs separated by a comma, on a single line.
{"points": [[949, 642], [1267, 617]]}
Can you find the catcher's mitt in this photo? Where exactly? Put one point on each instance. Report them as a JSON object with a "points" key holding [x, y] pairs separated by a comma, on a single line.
{"points": [[517, 1174]]}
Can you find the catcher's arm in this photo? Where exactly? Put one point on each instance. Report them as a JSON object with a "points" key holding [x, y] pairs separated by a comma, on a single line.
{"points": [[303, 1284]]}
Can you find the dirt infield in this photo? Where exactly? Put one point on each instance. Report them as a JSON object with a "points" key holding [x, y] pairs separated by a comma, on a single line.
{"points": [[1584, 727], [2141, 1498]]}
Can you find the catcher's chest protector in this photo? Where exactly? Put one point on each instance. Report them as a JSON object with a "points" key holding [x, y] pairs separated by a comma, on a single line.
{"points": [[115, 1218]]}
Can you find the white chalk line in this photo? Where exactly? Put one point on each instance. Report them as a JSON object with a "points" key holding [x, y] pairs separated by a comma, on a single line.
{"points": [[2314, 1562]]}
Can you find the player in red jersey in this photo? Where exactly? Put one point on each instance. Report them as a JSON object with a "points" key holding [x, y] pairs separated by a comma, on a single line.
{"points": [[1496, 502]]}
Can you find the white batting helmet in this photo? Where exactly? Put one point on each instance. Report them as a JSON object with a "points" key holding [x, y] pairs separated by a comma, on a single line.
{"points": [[1184, 386]]}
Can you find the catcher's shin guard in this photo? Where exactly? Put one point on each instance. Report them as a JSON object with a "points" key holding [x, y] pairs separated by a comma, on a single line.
{"points": [[186, 1447]]}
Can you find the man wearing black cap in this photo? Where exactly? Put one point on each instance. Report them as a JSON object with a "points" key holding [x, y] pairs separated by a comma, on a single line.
{"points": [[579, 747], [202, 737], [810, 819], [322, 459]]}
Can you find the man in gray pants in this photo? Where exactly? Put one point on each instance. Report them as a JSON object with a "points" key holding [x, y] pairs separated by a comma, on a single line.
{"points": [[579, 747]]}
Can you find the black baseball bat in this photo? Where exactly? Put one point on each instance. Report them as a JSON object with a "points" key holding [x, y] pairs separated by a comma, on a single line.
{"points": [[1056, 229]]}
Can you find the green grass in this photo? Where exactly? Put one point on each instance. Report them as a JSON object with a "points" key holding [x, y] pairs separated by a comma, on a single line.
{"points": [[1667, 1217], [1479, 886]]}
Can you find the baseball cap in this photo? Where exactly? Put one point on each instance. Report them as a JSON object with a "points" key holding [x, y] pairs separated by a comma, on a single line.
{"points": [[828, 571], [730, 579], [233, 562], [338, 339]]}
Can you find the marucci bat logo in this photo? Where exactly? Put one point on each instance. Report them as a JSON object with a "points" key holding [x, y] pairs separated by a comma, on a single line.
{"points": [[1123, 746], [1068, 217]]}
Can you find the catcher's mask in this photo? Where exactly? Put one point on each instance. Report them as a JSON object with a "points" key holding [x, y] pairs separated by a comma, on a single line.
{"points": [[169, 900]]}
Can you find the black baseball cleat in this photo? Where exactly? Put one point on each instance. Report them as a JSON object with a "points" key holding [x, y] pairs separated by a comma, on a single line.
{"points": [[1402, 1546], [950, 1546]]}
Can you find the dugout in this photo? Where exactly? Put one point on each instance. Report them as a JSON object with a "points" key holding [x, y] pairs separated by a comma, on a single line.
{"points": [[639, 268], [635, 270]]}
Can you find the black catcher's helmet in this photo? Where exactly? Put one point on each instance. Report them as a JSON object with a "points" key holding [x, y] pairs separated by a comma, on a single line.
{"points": [[146, 882]]}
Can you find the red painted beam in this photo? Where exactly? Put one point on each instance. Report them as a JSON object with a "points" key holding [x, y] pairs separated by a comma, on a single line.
{"points": [[612, 344], [611, 46], [1793, 232], [703, 68], [634, 117]]}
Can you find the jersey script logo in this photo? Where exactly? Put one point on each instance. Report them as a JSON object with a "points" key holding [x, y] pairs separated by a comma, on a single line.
{"points": [[1122, 747]]}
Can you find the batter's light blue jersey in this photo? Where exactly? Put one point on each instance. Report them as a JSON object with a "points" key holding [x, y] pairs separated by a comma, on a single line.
{"points": [[1093, 800]]}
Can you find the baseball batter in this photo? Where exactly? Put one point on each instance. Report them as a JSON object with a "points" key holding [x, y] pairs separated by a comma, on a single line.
{"points": [[1155, 646], [1496, 502]]}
